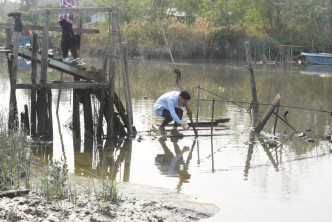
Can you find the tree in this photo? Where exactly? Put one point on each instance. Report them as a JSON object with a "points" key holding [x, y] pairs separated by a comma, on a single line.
{"points": [[274, 14]]}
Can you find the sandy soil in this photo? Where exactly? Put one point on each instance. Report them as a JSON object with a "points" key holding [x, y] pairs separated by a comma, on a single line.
{"points": [[137, 203]]}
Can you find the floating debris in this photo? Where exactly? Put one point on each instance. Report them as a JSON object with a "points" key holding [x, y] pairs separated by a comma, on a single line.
{"points": [[302, 134]]}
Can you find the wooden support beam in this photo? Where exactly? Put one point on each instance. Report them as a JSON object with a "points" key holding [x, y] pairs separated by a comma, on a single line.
{"points": [[33, 84], [112, 72], [51, 28], [126, 82], [42, 121], [61, 66], [63, 85], [71, 10], [267, 114], [87, 109]]}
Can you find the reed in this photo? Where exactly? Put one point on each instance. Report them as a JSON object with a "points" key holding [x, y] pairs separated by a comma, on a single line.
{"points": [[14, 157], [53, 181]]}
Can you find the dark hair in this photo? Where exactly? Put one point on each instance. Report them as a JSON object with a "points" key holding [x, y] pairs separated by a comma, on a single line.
{"points": [[185, 95]]}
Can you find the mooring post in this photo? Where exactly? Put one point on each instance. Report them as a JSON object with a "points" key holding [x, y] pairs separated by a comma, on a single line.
{"points": [[213, 101], [198, 98], [110, 126], [34, 82], [252, 77]]}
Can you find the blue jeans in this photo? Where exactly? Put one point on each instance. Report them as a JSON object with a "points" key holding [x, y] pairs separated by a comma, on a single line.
{"points": [[168, 117]]}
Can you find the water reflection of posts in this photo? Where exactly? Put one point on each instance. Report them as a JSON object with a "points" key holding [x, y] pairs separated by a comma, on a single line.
{"points": [[61, 138], [252, 137], [109, 162]]}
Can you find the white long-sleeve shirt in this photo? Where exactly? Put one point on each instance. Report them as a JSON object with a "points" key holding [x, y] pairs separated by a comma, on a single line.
{"points": [[168, 101]]}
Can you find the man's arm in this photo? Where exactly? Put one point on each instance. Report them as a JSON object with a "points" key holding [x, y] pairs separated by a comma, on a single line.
{"points": [[171, 107]]}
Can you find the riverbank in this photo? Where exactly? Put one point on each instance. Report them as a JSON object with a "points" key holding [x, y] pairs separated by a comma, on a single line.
{"points": [[136, 203]]}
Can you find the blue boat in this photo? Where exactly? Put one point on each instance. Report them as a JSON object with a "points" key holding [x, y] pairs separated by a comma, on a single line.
{"points": [[318, 58]]}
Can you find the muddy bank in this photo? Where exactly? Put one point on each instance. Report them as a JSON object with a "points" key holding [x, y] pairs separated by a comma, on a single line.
{"points": [[136, 203]]}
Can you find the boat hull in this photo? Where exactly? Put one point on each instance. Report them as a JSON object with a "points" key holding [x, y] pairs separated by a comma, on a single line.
{"points": [[318, 58]]}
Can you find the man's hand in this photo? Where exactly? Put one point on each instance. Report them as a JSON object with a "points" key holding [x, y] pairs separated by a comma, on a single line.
{"points": [[185, 126]]}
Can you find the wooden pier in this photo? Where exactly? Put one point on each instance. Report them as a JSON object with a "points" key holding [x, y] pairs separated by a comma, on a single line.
{"points": [[85, 82]]}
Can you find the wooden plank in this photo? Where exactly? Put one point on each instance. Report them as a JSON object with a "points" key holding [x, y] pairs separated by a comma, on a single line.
{"points": [[51, 28], [267, 114], [168, 135], [63, 85], [71, 10], [170, 127], [63, 67], [5, 50]]}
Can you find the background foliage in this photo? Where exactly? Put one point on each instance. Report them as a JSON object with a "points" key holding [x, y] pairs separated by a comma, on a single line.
{"points": [[200, 28]]}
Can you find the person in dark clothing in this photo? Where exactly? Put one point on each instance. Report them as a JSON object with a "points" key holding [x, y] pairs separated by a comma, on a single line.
{"points": [[69, 40]]}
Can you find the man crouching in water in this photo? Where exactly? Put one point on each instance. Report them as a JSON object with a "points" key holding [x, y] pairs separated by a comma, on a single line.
{"points": [[167, 105]]}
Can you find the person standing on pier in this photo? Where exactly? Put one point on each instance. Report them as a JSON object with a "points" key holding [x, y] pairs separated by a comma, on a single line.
{"points": [[69, 39], [167, 106]]}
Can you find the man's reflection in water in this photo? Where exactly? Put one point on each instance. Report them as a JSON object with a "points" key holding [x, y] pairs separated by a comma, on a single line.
{"points": [[173, 164]]}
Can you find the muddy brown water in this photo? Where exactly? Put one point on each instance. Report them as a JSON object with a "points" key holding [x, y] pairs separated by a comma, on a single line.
{"points": [[247, 179]]}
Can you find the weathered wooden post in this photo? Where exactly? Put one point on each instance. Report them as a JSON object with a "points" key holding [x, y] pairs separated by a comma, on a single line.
{"points": [[34, 82], [252, 77], [267, 114], [276, 120], [102, 100], [76, 114], [42, 114], [114, 32], [126, 82], [13, 119], [198, 98], [87, 109], [213, 101]]}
